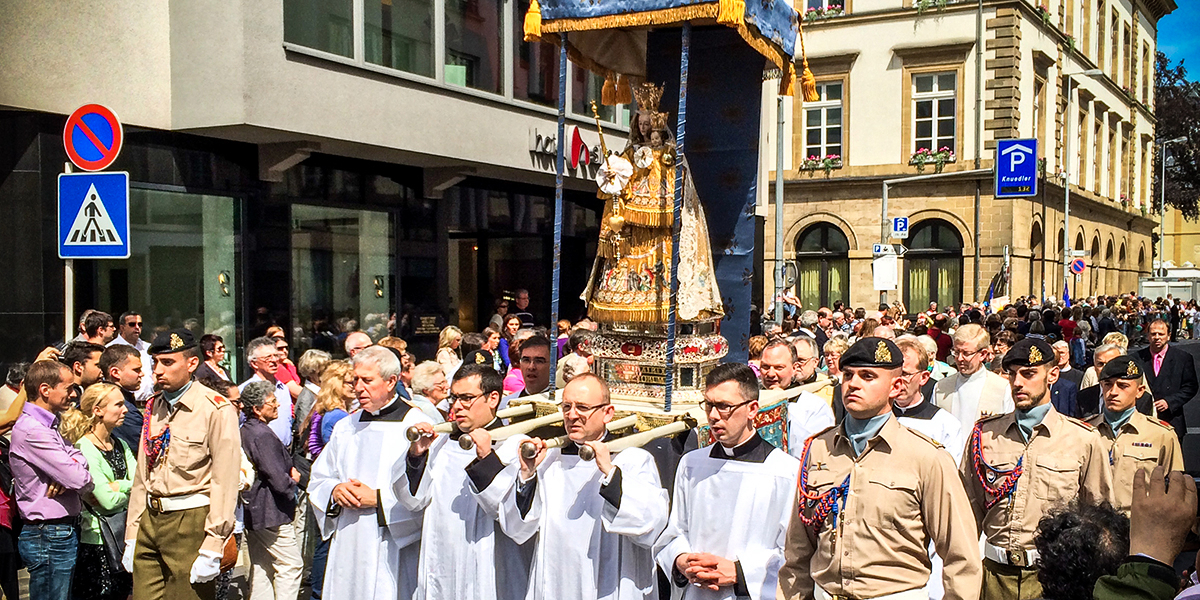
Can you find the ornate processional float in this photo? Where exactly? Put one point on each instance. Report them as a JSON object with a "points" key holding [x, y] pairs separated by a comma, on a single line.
{"points": [[655, 289]]}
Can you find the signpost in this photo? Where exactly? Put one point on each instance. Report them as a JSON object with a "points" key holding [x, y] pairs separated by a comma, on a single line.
{"points": [[1016, 168]]}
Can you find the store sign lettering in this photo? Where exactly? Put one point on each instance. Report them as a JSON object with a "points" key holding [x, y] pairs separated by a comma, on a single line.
{"points": [[578, 152]]}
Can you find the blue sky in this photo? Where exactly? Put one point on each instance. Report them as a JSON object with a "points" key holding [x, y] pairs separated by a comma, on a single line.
{"points": [[1177, 36]]}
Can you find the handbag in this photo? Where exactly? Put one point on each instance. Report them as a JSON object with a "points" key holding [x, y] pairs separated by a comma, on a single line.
{"points": [[112, 531]]}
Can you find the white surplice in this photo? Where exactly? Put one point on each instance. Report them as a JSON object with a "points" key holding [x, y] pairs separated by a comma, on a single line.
{"points": [[372, 555], [736, 507], [589, 549], [464, 555]]}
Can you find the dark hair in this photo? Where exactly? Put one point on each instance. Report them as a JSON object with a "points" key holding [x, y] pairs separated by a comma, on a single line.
{"points": [[115, 355], [1077, 545], [94, 321], [1007, 337], [489, 380], [16, 373], [44, 371], [216, 384], [1162, 321], [778, 343], [471, 342], [742, 374], [78, 352], [208, 344], [577, 339], [535, 341], [127, 314]]}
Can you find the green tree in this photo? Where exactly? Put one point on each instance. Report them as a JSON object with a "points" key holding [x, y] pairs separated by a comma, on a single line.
{"points": [[1177, 108]]}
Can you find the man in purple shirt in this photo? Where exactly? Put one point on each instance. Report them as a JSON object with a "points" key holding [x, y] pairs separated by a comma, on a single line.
{"points": [[49, 476]]}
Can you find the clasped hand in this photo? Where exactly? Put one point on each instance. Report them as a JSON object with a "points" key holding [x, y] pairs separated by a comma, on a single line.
{"points": [[353, 494], [707, 570]]}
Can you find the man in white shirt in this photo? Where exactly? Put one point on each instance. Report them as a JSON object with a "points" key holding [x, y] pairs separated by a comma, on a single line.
{"points": [[973, 392], [732, 503], [129, 333], [808, 413], [264, 361]]}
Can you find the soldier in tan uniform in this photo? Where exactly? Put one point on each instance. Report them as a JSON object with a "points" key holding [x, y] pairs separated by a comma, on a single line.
{"points": [[1019, 466], [185, 486], [1134, 440], [872, 494]]}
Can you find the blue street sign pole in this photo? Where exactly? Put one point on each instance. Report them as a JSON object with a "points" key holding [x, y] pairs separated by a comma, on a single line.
{"points": [[1016, 168]]}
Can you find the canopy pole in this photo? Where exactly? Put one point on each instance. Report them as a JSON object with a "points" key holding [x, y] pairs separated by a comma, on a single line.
{"points": [[680, 173], [559, 167]]}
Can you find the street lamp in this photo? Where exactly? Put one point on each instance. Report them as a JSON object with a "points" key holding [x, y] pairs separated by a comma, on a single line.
{"points": [[1067, 175], [1162, 206]]}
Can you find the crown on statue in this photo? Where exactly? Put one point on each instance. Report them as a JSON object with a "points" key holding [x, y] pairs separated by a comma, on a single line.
{"points": [[658, 121], [648, 96]]}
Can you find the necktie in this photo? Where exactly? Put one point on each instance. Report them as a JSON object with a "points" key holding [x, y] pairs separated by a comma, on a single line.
{"points": [[1158, 358]]}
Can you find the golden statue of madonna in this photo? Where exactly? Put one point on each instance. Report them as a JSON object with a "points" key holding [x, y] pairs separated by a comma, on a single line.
{"points": [[631, 282]]}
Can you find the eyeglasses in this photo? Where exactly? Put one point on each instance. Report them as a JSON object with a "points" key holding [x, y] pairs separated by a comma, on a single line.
{"points": [[466, 400], [266, 358], [961, 354], [584, 411], [529, 360], [135, 325], [723, 410]]}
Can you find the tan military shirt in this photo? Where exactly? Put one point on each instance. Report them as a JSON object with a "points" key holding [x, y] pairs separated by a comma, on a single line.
{"points": [[1064, 458], [903, 493], [1142, 443], [203, 457]]}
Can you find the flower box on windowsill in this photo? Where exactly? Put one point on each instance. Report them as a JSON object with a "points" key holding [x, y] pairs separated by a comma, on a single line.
{"points": [[924, 157], [817, 14], [827, 163]]}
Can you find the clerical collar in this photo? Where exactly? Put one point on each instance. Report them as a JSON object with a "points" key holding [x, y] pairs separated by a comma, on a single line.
{"points": [[754, 450], [392, 411], [495, 424], [526, 392], [1118, 420], [1028, 419], [172, 398], [570, 448], [860, 431], [920, 410]]}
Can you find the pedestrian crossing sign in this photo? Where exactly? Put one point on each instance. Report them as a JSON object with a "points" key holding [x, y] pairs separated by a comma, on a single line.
{"points": [[93, 215]]}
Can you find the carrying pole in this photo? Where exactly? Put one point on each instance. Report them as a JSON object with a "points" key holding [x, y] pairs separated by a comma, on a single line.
{"points": [[680, 173], [559, 167]]}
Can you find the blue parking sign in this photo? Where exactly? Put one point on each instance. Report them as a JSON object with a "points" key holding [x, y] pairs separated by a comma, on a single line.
{"points": [[93, 215], [1016, 168]]}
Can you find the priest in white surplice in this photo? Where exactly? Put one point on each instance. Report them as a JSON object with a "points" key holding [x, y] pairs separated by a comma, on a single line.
{"points": [[464, 555], [732, 500], [373, 554], [597, 520]]}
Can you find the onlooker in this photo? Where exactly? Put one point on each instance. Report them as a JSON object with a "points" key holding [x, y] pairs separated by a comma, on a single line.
{"points": [[213, 347], [264, 360], [497, 320], [508, 332], [121, 365], [83, 359], [356, 341], [833, 350], [493, 345], [430, 387], [111, 464], [1077, 545], [1171, 373], [311, 366], [522, 308], [287, 374], [129, 331], [564, 334], [576, 347], [755, 347], [12, 385], [448, 354], [96, 326], [49, 476], [276, 564], [333, 404]]}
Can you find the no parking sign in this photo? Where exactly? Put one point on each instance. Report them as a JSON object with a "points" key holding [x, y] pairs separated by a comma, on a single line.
{"points": [[92, 137]]}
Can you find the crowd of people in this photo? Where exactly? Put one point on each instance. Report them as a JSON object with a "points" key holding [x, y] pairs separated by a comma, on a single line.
{"points": [[945, 454]]}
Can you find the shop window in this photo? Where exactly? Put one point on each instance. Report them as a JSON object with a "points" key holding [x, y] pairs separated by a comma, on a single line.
{"points": [[823, 122], [933, 266], [585, 89], [324, 25], [473, 49], [535, 64], [399, 34], [934, 112], [823, 265]]}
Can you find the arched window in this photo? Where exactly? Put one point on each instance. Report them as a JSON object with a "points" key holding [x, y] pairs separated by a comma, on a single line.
{"points": [[1037, 250], [933, 266], [823, 266]]}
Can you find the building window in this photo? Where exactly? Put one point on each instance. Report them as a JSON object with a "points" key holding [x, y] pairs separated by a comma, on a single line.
{"points": [[1115, 43], [1126, 72], [934, 100], [585, 89], [1146, 73], [825, 4], [1097, 156], [324, 25], [1039, 111], [399, 35], [1100, 35], [823, 264], [823, 122], [535, 64], [1112, 162], [473, 53], [933, 265], [1085, 11]]}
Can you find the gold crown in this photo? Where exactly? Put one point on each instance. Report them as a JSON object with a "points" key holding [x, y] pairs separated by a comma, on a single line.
{"points": [[882, 354], [1035, 356], [176, 341], [658, 121], [1131, 369], [648, 96]]}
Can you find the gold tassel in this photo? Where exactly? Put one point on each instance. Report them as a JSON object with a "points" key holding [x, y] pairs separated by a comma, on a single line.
{"points": [[533, 22], [787, 85], [731, 12], [624, 90], [608, 94], [808, 85]]}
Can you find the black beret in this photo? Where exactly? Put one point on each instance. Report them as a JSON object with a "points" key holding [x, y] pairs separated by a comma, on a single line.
{"points": [[175, 340], [479, 357], [1029, 352], [873, 352], [1121, 367]]}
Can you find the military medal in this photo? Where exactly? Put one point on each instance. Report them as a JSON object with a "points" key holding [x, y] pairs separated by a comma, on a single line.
{"points": [[831, 501], [156, 447], [989, 475]]}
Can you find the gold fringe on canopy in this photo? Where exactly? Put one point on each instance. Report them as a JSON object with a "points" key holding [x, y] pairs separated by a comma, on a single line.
{"points": [[731, 12], [533, 22]]}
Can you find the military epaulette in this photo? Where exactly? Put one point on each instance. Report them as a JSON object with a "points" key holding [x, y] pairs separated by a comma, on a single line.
{"points": [[986, 418], [936, 444], [822, 432], [1083, 424], [1163, 423], [218, 400]]}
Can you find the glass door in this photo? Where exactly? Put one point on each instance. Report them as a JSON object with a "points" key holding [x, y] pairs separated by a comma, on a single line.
{"points": [[342, 275]]}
